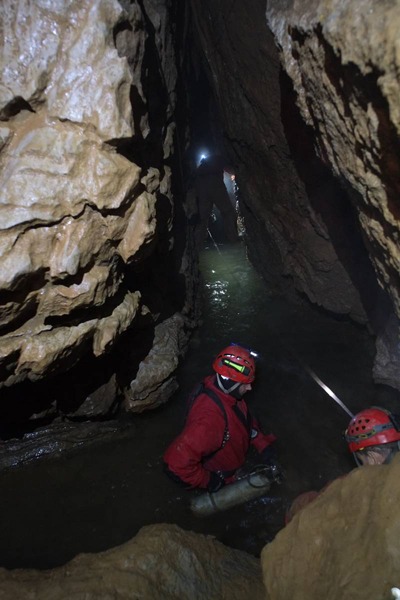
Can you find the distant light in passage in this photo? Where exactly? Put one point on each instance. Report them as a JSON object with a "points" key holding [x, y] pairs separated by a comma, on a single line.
{"points": [[202, 156]]}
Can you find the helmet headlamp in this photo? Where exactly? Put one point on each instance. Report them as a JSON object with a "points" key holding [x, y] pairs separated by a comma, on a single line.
{"points": [[249, 350]]}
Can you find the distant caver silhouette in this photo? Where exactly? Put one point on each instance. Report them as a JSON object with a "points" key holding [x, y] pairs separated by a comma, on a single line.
{"points": [[210, 190]]}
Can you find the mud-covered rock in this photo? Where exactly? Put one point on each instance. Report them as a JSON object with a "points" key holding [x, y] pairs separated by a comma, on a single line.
{"points": [[345, 544], [162, 561]]}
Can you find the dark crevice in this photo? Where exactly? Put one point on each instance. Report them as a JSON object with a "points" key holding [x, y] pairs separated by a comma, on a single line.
{"points": [[61, 393], [148, 151], [15, 106], [6, 367], [123, 25], [33, 282], [154, 271], [28, 284], [330, 200], [25, 314]]}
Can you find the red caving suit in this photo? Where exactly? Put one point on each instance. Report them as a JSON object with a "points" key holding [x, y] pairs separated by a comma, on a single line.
{"points": [[203, 434]]}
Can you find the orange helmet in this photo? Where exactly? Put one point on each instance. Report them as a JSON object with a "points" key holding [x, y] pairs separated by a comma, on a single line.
{"points": [[372, 427], [236, 363]]}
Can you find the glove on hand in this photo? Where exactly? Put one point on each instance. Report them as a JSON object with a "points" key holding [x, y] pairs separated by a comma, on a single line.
{"points": [[216, 482]]}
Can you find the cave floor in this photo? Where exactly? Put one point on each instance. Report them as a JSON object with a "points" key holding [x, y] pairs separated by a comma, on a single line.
{"points": [[100, 496]]}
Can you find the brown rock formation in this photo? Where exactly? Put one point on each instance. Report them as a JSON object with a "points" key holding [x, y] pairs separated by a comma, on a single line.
{"points": [[345, 544], [85, 195], [343, 63], [162, 561]]}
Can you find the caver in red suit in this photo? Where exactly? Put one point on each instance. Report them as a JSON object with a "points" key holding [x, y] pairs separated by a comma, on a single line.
{"points": [[219, 427]]}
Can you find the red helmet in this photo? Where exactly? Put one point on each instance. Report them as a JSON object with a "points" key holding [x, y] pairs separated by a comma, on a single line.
{"points": [[371, 427], [236, 363]]}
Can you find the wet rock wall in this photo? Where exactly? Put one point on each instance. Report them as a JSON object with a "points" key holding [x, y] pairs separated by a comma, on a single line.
{"points": [[345, 544], [91, 219], [343, 61], [308, 100]]}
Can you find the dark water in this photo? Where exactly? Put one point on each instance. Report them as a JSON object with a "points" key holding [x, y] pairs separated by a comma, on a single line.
{"points": [[101, 496]]}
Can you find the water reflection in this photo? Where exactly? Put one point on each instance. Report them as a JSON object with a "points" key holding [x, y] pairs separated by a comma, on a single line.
{"points": [[235, 296], [103, 495]]}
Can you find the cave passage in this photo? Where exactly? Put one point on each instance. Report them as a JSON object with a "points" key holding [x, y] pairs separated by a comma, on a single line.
{"points": [[101, 495]]}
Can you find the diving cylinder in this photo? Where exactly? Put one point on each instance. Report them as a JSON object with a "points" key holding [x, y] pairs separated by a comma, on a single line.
{"points": [[252, 486]]}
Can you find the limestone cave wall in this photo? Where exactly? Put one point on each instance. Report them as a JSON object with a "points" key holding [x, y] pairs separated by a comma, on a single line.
{"points": [[94, 259], [308, 98], [98, 281]]}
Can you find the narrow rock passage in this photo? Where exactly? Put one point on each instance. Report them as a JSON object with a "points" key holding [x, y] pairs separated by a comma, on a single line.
{"points": [[101, 496]]}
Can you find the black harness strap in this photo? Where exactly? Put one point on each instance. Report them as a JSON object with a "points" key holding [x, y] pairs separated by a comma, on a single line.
{"points": [[202, 389], [245, 420]]}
